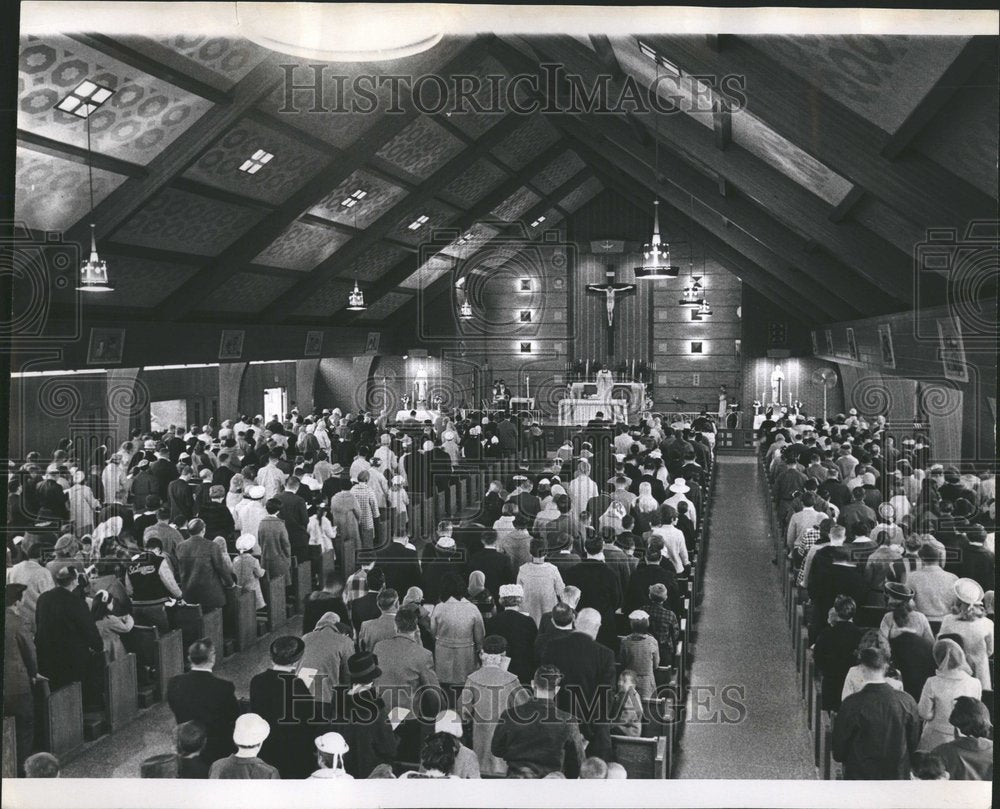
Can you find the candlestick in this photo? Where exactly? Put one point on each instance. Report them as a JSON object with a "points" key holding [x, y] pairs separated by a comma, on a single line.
{"points": [[527, 387]]}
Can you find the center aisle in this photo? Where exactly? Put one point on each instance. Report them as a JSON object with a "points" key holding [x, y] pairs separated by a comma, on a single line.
{"points": [[743, 643]]}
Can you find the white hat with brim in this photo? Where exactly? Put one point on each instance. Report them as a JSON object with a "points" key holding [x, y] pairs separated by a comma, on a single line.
{"points": [[251, 730], [255, 493], [969, 591], [679, 486], [246, 542], [332, 744]]}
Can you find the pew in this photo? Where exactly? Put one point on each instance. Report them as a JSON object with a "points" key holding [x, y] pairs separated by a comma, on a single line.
{"points": [[240, 618], [59, 719], [9, 748], [416, 516], [120, 695], [440, 506], [463, 493], [301, 586], [452, 497], [641, 758], [275, 597], [159, 657], [188, 619]]}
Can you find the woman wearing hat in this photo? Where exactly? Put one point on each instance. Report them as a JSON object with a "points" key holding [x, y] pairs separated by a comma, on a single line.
{"points": [[969, 622], [902, 615], [953, 680], [235, 493], [360, 717]]}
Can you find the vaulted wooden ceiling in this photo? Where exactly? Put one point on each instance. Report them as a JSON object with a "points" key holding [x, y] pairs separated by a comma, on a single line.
{"points": [[816, 192]]}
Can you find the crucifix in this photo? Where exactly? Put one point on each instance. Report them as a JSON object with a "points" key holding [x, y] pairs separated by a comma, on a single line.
{"points": [[610, 290]]}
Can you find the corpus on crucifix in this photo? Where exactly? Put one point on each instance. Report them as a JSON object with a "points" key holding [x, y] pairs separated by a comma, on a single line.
{"points": [[611, 291]]}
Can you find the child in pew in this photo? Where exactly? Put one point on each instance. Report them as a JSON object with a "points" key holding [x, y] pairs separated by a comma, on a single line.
{"points": [[247, 570], [626, 706], [640, 653], [191, 738]]}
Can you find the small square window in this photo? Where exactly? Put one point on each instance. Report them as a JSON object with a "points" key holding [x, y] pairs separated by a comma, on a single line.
{"points": [[696, 315], [525, 348], [525, 315], [696, 348], [525, 285]]}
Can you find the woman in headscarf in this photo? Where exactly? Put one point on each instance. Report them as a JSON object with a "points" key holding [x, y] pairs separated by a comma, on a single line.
{"points": [[82, 504], [235, 493], [969, 622], [612, 518], [458, 633], [109, 548], [645, 506], [953, 680], [477, 594]]}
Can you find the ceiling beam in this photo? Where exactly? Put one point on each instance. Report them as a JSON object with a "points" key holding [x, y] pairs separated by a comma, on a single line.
{"points": [[834, 134], [857, 247], [185, 150], [843, 209], [606, 53], [242, 252], [722, 123], [955, 76], [77, 154], [203, 189], [378, 230], [480, 210]]}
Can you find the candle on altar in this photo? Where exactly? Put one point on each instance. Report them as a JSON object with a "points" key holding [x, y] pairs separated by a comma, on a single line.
{"points": [[586, 370], [527, 387]]}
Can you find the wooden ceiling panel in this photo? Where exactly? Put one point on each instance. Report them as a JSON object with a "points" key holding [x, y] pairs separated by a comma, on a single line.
{"points": [[880, 77], [557, 172], [522, 145], [581, 195], [142, 118], [245, 292], [53, 194], [222, 61], [438, 216], [178, 220], [291, 167], [373, 263], [421, 149], [302, 246], [470, 241], [142, 282], [515, 205], [329, 297], [429, 272], [380, 196], [467, 118], [474, 183], [385, 306]]}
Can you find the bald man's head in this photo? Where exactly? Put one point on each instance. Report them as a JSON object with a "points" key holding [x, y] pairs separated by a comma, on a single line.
{"points": [[588, 621]]}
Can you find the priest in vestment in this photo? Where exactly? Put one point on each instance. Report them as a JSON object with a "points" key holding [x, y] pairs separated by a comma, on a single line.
{"points": [[605, 384]]}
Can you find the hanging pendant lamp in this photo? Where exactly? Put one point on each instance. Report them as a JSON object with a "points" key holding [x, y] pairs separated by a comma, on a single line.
{"points": [[94, 271]]}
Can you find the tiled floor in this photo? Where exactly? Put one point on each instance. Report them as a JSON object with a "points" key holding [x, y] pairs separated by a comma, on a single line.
{"points": [[119, 755], [746, 719]]}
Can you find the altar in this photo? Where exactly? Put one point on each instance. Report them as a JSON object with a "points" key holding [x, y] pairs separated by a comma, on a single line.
{"points": [[402, 416], [580, 411], [634, 393]]}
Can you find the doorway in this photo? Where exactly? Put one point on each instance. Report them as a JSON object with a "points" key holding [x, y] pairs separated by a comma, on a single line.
{"points": [[275, 403]]}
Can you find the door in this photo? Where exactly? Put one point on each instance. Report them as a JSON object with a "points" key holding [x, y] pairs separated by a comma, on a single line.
{"points": [[275, 403]]}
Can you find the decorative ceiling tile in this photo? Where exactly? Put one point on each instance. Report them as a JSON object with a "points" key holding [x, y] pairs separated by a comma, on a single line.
{"points": [[292, 165], [302, 246], [187, 223], [522, 145], [226, 59], [141, 282], [337, 117], [516, 204], [139, 121], [557, 172], [483, 109], [581, 194], [327, 297], [880, 77], [380, 196], [52, 193], [374, 262], [385, 305], [421, 148], [756, 137], [552, 217], [470, 241], [474, 183], [246, 292], [429, 272], [438, 216]]}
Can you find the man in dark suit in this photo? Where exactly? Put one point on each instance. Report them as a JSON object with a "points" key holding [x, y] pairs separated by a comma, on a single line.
{"points": [[588, 670], [492, 506], [648, 573], [283, 699], [600, 588], [295, 513], [162, 470], [399, 562], [527, 503], [366, 607], [507, 433], [496, 566], [360, 717], [518, 629], [175, 445], [180, 497], [66, 637], [200, 696], [216, 515]]}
